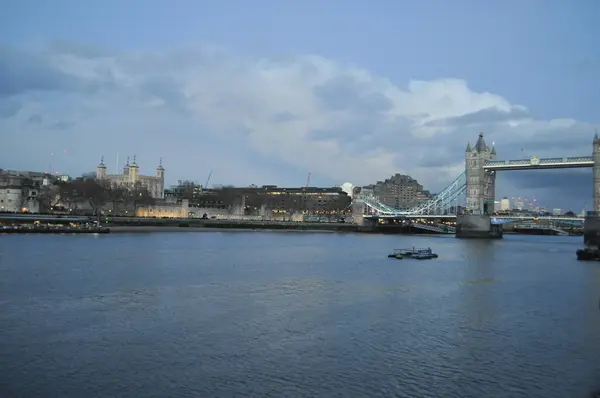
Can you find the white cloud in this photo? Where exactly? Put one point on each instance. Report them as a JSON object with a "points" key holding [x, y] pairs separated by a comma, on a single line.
{"points": [[262, 120]]}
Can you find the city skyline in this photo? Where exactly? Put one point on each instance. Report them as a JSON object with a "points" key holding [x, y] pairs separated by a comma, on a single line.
{"points": [[527, 203], [256, 107]]}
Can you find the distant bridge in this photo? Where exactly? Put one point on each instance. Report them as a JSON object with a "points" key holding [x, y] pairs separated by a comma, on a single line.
{"points": [[495, 219], [475, 187]]}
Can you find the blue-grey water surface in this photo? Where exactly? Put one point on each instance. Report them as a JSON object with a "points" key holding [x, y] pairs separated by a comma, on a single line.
{"points": [[263, 314]]}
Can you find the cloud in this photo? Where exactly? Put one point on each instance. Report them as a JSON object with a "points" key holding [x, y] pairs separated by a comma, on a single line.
{"points": [[574, 187], [485, 116], [9, 108], [34, 119], [24, 71], [268, 120], [60, 125]]}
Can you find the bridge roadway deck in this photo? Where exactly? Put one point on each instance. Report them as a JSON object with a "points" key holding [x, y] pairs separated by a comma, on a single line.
{"points": [[544, 163], [453, 216]]}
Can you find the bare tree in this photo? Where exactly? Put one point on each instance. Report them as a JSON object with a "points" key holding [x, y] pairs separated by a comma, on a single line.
{"points": [[89, 190], [139, 195], [115, 195], [83, 190], [47, 197], [68, 194]]}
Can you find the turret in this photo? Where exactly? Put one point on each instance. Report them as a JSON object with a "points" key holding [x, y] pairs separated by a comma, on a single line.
{"points": [[160, 170], [126, 168], [480, 145], [468, 147], [101, 170], [134, 172], [160, 173]]}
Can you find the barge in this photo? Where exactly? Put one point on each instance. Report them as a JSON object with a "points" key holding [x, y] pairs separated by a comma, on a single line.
{"points": [[413, 253]]}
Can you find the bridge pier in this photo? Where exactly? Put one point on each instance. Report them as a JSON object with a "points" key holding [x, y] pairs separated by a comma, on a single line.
{"points": [[477, 226], [591, 232], [591, 224], [591, 238]]}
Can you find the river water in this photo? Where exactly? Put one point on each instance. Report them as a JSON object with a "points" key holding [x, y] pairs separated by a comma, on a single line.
{"points": [[257, 314]]}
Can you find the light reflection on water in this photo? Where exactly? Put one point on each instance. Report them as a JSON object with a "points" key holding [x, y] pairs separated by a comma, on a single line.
{"points": [[215, 314]]}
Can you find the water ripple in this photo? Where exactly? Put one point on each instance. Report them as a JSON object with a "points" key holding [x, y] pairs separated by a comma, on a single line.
{"points": [[303, 315]]}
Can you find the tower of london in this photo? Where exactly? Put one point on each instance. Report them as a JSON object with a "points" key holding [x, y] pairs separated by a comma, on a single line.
{"points": [[131, 176]]}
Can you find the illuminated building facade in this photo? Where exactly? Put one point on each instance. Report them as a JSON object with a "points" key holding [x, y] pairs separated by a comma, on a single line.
{"points": [[131, 176]]}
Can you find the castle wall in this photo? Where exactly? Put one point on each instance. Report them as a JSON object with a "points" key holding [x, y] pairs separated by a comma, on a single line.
{"points": [[154, 186], [166, 210], [131, 175]]}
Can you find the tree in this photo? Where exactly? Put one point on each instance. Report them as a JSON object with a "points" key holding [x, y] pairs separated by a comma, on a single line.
{"points": [[96, 194], [83, 190], [88, 189], [116, 194], [68, 194], [47, 197], [139, 195]]}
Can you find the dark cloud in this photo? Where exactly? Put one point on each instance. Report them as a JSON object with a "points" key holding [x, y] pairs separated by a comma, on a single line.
{"points": [[485, 116], [363, 132], [79, 49], [166, 89], [571, 141], [284, 117], [345, 93], [9, 108], [449, 153], [21, 72], [567, 188], [34, 119], [61, 125], [489, 115]]}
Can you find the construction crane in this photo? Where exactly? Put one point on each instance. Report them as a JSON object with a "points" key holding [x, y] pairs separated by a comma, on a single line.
{"points": [[303, 197], [208, 180]]}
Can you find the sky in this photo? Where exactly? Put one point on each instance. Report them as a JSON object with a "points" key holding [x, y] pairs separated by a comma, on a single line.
{"points": [[265, 92]]}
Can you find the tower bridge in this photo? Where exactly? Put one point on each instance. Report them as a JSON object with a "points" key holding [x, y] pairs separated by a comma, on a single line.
{"points": [[477, 184]]}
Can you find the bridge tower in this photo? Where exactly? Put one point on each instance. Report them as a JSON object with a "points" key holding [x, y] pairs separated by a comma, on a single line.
{"points": [[481, 184], [481, 193], [591, 226], [596, 169]]}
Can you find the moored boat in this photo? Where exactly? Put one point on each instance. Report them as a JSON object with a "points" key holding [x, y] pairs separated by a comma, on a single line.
{"points": [[417, 254]]}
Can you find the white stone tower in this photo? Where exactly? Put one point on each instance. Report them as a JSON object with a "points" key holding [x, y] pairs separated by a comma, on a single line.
{"points": [[134, 172], [481, 184], [596, 154], [160, 173], [126, 168], [101, 170]]}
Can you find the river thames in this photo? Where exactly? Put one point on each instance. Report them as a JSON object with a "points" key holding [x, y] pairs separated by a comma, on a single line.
{"points": [[259, 314]]}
